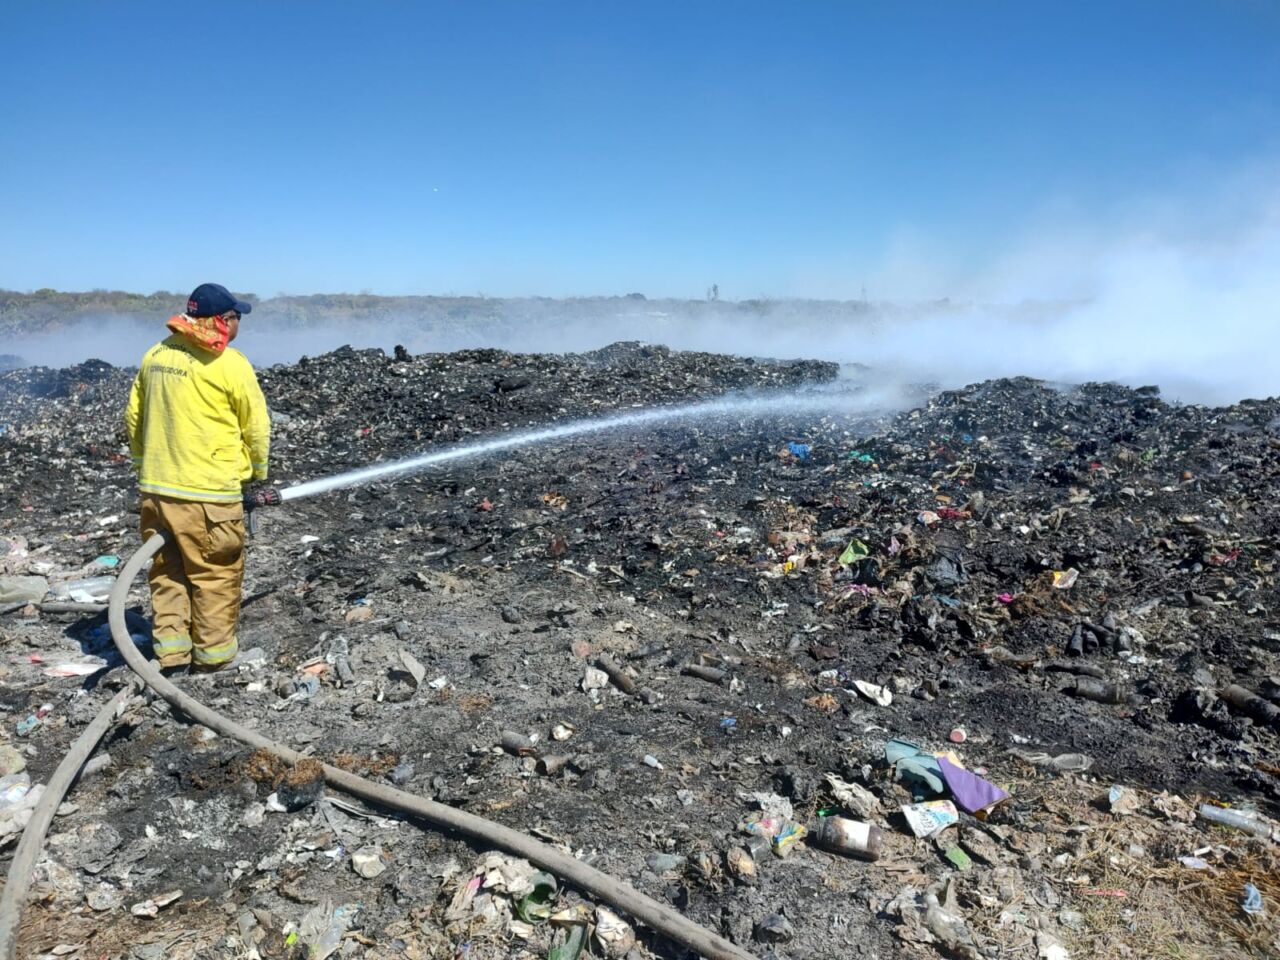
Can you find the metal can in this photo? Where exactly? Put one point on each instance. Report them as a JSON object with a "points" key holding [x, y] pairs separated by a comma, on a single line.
{"points": [[851, 837]]}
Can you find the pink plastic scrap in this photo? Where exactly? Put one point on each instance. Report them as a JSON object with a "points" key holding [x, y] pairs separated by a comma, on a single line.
{"points": [[970, 791]]}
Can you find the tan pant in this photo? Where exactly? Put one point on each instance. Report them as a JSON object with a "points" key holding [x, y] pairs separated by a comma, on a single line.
{"points": [[195, 580]]}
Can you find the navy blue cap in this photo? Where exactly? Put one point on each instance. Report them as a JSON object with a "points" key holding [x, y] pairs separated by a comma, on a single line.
{"points": [[213, 300]]}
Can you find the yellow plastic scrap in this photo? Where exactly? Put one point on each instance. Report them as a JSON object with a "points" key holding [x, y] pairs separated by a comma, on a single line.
{"points": [[789, 836], [1064, 579]]}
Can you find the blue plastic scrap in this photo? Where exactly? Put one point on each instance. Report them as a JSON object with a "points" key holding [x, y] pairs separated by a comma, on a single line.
{"points": [[800, 451], [1252, 899]]}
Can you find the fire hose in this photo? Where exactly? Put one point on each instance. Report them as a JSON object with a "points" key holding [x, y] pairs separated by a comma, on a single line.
{"points": [[623, 896], [24, 858]]}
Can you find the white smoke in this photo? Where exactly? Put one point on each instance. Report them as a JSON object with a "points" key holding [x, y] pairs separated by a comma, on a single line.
{"points": [[1188, 299]]}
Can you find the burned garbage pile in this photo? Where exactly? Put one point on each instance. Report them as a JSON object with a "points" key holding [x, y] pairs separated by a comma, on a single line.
{"points": [[351, 406], [997, 675]]}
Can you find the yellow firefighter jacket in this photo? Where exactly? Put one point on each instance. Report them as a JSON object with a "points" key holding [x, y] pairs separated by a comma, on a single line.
{"points": [[198, 423]]}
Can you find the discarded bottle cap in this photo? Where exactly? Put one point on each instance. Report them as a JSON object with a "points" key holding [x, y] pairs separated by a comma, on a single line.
{"points": [[958, 735], [851, 837]]}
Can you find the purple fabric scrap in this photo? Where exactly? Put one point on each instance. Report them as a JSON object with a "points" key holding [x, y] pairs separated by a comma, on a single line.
{"points": [[970, 791]]}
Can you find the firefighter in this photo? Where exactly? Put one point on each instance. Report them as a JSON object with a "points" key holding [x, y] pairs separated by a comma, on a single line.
{"points": [[198, 431]]}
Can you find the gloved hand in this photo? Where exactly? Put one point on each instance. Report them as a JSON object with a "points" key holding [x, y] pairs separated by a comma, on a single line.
{"points": [[262, 497]]}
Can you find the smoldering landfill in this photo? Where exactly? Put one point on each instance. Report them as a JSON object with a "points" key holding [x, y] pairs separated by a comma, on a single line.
{"points": [[994, 675]]}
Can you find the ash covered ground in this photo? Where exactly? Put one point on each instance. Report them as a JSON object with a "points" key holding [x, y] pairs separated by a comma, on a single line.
{"points": [[992, 559]]}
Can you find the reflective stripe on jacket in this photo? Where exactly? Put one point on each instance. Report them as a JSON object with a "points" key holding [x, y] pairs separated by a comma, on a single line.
{"points": [[198, 423]]}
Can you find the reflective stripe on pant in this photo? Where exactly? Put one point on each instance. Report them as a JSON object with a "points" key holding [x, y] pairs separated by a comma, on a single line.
{"points": [[171, 651], [195, 580]]}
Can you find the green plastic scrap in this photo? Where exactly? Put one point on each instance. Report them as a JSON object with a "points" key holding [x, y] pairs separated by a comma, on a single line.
{"points": [[572, 947], [959, 858], [535, 906], [854, 552]]}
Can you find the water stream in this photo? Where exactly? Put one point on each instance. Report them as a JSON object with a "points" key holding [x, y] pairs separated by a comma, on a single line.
{"points": [[837, 399]]}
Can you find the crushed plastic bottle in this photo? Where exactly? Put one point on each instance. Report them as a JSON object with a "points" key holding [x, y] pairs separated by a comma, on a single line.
{"points": [[84, 590], [1252, 900], [1242, 820], [323, 926]]}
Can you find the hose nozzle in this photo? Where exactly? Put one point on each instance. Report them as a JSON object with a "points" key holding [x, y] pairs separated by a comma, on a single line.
{"points": [[253, 499], [262, 497]]}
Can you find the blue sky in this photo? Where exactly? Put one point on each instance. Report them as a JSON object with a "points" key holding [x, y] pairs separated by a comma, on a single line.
{"points": [[600, 148]]}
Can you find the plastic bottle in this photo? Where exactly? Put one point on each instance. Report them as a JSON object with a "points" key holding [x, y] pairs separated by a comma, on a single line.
{"points": [[84, 590], [1241, 820], [1071, 762], [852, 837]]}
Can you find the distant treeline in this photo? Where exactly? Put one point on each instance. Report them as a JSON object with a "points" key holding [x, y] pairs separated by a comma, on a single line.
{"points": [[50, 309]]}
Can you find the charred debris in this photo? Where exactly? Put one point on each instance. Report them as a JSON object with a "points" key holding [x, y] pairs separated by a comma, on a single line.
{"points": [[679, 652]]}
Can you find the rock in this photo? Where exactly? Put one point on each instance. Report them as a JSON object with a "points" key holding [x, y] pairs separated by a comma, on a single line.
{"points": [[661, 863], [775, 928], [361, 614], [11, 760], [368, 862], [104, 897], [741, 864], [254, 814]]}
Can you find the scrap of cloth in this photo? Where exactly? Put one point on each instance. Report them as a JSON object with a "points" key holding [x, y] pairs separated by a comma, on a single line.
{"points": [[211, 333], [970, 791]]}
